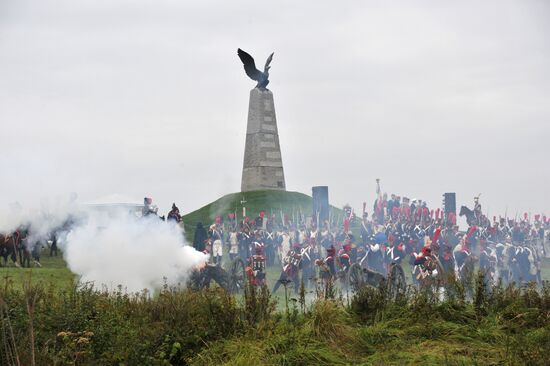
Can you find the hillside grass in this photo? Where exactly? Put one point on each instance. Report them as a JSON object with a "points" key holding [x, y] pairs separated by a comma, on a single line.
{"points": [[271, 202]]}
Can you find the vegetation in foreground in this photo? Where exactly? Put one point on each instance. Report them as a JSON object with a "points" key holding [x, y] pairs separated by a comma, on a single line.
{"points": [[81, 326]]}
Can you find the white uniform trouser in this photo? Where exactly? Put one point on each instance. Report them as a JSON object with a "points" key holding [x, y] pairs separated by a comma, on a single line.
{"points": [[217, 248]]}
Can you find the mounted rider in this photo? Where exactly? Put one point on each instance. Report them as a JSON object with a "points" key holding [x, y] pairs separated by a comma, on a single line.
{"points": [[174, 214], [477, 210]]}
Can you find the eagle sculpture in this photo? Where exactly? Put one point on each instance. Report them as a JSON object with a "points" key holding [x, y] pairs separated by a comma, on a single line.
{"points": [[252, 71]]}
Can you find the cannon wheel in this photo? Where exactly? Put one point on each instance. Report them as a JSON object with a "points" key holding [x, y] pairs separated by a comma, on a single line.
{"points": [[237, 275], [355, 277], [198, 280], [397, 283]]}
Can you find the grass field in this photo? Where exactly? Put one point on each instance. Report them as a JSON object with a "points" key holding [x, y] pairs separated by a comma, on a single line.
{"points": [[54, 272]]}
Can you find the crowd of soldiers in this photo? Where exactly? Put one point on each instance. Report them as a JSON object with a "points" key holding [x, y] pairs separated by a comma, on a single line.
{"points": [[396, 231], [21, 247]]}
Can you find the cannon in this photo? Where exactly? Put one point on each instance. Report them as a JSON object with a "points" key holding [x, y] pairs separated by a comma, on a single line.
{"points": [[232, 279], [360, 276]]}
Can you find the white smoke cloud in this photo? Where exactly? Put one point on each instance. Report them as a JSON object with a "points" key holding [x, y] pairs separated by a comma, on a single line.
{"points": [[107, 246], [137, 253], [41, 219]]}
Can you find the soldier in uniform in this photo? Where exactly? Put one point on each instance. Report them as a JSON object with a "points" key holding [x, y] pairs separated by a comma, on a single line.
{"points": [[327, 266], [244, 243], [216, 238], [148, 207], [53, 246], [233, 242], [309, 256], [284, 245], [344, 257], [477, 209], [174, 214], [488, 263], [201, 237], [291, 269], [270, 243], [394, 253], [326, 238], [425, 265], [257, 265]]}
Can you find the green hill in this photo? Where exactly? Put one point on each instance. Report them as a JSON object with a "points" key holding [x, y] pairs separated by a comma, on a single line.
{"points": [[271, 202]]}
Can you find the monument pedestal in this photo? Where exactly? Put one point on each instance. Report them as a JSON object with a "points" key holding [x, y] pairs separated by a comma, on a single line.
{"points": [[263, 165]]}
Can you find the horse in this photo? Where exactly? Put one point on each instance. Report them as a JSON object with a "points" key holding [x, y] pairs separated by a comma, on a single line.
{"points": [[8, 248], [470, 215]]}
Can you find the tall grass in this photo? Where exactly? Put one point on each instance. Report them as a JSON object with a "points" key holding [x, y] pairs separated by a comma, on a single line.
{"points": [[84, 326]]}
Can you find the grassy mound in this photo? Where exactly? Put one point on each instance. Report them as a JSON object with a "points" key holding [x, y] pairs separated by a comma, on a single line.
{"points": [[271, 202]]}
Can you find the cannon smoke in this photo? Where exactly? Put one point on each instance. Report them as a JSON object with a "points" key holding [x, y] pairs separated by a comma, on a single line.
{"points": [[112, 248], [136, 253]]}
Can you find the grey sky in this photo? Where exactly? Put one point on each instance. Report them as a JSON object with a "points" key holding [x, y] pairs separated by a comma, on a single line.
{"points": [[149, 98]]}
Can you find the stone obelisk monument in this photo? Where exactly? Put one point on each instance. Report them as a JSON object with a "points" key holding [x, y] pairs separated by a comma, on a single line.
{"points": [[263, 165]]}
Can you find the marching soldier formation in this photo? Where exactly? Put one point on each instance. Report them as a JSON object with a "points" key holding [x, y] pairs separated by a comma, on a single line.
{"points": [[398, 231]]}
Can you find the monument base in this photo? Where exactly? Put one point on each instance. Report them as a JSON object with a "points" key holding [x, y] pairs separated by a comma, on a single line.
{"points": [[263, 165]]}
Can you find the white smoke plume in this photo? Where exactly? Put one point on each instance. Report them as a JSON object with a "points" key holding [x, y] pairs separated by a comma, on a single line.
{"points": [[108, 247], [41, 220], [136, 253]]}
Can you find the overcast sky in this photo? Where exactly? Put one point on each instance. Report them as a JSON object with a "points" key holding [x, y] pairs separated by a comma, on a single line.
{"points": [[149, 98]]}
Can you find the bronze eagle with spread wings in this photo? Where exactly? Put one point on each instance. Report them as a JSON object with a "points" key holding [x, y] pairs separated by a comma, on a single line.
{"points": [[250, 68]]}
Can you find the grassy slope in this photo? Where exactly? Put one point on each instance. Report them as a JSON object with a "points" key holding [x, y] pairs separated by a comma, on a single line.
{"points": [[272, 202]]}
